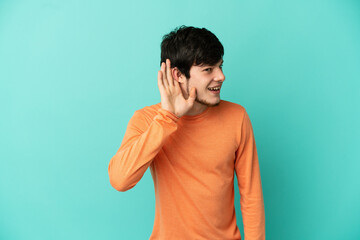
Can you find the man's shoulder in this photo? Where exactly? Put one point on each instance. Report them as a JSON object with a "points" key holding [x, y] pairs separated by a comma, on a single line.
{"points": [[149, 111], [231, 107]]}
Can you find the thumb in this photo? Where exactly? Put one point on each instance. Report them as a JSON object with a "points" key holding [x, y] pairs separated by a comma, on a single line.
{"points": [[192, 95]]}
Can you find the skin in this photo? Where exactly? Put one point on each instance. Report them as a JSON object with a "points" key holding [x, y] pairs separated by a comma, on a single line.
{"points": [[191, 96]]}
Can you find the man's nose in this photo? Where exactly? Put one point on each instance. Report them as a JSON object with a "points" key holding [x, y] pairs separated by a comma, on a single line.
{"points": [[220, 76]]}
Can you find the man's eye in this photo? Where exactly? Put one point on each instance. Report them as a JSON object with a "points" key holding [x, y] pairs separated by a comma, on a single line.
{"points": [[208, 69]]}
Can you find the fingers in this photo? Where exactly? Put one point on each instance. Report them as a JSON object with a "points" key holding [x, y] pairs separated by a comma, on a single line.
{"points": [[192, 96], [165, 78], [168, 73], [163, 74], [160, 81]]}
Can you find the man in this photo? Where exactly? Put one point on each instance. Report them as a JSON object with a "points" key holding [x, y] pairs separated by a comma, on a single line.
{"points": [[193, 142]]}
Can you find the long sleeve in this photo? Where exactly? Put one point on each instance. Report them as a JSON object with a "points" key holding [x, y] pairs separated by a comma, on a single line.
{"points": [[141, 143], [249, 182]]}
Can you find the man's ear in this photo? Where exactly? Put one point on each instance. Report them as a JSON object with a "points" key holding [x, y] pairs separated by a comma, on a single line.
{"points": [[177, 75]]}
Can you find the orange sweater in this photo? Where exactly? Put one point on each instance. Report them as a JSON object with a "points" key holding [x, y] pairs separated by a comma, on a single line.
{"points": [[192, 161]]}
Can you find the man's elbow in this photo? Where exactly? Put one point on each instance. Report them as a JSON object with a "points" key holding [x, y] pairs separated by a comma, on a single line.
{"points": [[120, 185], [120, 182]]}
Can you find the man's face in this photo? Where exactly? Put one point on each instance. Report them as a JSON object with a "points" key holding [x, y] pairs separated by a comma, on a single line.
{"points": [[202, 78]]}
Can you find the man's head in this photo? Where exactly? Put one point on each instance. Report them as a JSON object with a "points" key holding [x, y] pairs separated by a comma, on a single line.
{"points": [[196, 61]]}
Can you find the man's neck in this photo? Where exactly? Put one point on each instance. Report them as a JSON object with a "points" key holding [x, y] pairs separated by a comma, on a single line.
{"points": [[196, 109]]}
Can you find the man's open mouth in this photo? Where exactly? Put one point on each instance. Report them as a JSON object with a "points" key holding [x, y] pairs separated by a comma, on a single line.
{"points": [[215, 89]]}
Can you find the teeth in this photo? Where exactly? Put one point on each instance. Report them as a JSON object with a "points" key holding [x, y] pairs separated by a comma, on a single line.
{"points": [[214, 89]]}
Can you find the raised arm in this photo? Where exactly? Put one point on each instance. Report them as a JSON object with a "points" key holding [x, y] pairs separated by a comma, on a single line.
{"points": [[140, 145], [142, 142], [249, 182]]}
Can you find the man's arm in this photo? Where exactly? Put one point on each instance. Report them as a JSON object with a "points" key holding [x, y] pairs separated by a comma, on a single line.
{"points": [[140, 145], [249, 182]]}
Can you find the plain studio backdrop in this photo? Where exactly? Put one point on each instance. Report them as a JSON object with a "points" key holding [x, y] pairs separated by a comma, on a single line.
{"points": [[72, 73]]}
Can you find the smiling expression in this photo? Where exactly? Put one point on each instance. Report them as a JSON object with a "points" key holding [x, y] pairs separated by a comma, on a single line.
{"points": [[203, 77]]}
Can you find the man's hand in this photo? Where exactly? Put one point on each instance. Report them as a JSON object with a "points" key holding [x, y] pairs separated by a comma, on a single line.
{"points": [[172, 98]]}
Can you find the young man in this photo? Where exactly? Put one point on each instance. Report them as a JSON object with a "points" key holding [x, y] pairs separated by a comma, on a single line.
{"points": [[193, 143]]}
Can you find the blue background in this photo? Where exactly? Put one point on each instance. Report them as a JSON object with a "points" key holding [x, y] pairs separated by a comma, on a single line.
{"points": [[72, 73]]}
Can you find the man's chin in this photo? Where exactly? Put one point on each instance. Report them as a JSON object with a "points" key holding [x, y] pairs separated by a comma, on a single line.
{"points": [[206, 103]]}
